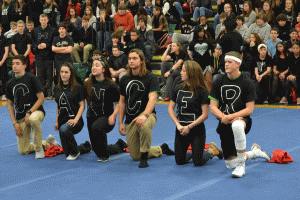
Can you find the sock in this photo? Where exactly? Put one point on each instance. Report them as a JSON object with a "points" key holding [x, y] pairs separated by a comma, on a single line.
{"points": [[241, 156], [251, 154], [143, 161]]}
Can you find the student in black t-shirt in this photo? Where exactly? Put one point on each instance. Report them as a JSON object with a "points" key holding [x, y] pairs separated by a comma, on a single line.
{"points": [[192, 102], [102, 95], [25, 98], [135, 42], [70, 99], [170, 71], [21, 43], [4, 50], [232, 102], [62, 46], [117, 63], [262, 72], [139, 90], [200, 51], [293, 77]]}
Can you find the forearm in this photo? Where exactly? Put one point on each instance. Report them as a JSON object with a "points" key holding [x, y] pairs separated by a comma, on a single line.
{"points": [[177, 65], [151, 104], [256, 71], [173, 115], [242, 113], [201, 118], [121, 112], [37, 104], [285, 72], [5, 56], [27, 51], [121, 70], [267, 71], [11, 111], [13, 49], [80, 111], [216, 112], [56, 115], [116, 110], [164, 57]]}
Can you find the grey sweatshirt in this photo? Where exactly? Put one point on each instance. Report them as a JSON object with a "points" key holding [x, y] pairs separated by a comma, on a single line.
{"points": [[263, 31], [243, 31], [251, 19]]}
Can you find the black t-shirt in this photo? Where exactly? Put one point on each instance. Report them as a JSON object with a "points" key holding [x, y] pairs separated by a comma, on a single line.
{"points": [[262, 65], [189, 105], [136, 91], [23, 93], [200, 52], [231, 41], [68, 102], [63, 42], [118, 62], [176, 58], [282, 64], [104, 94], [3, 43], [233, 95], [21, 42]]}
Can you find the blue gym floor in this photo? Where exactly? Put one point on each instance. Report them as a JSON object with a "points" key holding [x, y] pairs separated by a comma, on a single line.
{"points": [[23, 177]]}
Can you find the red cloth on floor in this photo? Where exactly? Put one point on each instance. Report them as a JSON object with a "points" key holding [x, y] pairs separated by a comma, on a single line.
{"points": [[53, 151], [281, 156], [189, 149]]}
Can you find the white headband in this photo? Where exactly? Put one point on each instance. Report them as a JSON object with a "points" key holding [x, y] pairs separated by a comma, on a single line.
{"points": [[233, 58]]}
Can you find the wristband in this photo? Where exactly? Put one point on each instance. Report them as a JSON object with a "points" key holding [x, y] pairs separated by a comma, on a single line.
{"points": [[171, 70], [15, 124]]}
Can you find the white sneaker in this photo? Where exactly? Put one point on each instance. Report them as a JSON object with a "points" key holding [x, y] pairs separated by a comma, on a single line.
{"points": [[40, 154], [4, 98], [258, 153], [51, 139], [73, 157], [239, 170]]}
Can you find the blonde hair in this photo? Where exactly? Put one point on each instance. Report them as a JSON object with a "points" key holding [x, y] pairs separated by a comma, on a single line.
{"points": [[51, 4], [20, 22]]}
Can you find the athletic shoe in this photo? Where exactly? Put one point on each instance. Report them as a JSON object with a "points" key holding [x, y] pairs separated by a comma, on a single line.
{"points": [[214, 149], [73, 157], [40, 154], [298, 101], [123, 144], [52, 141], [4, 98], [167, 99], [284, 100], [103, 159], [258, 153], [239, 170], [49, 98], [266, 102]]}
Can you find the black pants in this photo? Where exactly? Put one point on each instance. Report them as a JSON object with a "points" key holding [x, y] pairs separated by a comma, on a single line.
{"points": [[98, 128], [44, 73], [196, 138], [263, 89], [68, 142], [4, 78], [280, 92]]}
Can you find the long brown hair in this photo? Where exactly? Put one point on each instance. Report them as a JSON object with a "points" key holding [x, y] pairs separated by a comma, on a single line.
{"points": [[258, 40], [17, 5], [72, 80], [195, 74], [4, 4], [246, 14], [143, 70], [51, 4], [106, 6], [89, 83]]}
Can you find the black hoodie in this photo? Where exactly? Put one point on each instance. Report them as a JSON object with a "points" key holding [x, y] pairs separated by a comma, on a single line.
{"points": [[284, 31]]}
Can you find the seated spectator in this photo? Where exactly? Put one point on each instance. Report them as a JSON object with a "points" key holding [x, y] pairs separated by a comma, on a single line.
{"points": [[75, 5], [293, 39], [277, 6], [141, 12], [174, 13], [262, 72], [289, 11], [146, 35], [13, 30], [284, 27], [104, 30], [218, 68], [187, 33], [169, 71], [96, 55], [72, 29], [74, 18], [7, 7], [268, 12], [117, 63], [209, 31], [220, 4], [252, 47], [202, 8], [125, 19], [200, 51], [30, 27], [133, 7], [108, 6], [92, 19], [86, 41], [159, 24], [85, 4], [20, 11], [51, 9], [248, 64], [165, 6], [220, 27], [124, 37], [297, 26], [248, 13], [21, 43], [115, 38], [293, 77], [281, 64], [149, 7], [272, 43], [136, 42], [228, 10], [241, 27], [261, 27]]}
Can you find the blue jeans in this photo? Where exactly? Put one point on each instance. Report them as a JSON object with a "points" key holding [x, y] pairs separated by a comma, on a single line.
{"points": [[217, 21], [202, 11], [179, 8], [288, 86], [102, 46]]}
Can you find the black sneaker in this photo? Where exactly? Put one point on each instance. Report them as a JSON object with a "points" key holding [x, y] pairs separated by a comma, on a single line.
{"points": [[166, 150], [123, 144], [103, 159], [143, 164]]}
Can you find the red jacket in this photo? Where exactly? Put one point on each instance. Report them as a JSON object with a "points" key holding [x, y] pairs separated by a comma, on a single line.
{"points": [[126, 21], [77, 8], [297, 27]]}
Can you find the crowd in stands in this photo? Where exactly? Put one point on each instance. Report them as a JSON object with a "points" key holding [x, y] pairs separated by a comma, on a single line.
{"points": [[266, 32]]}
